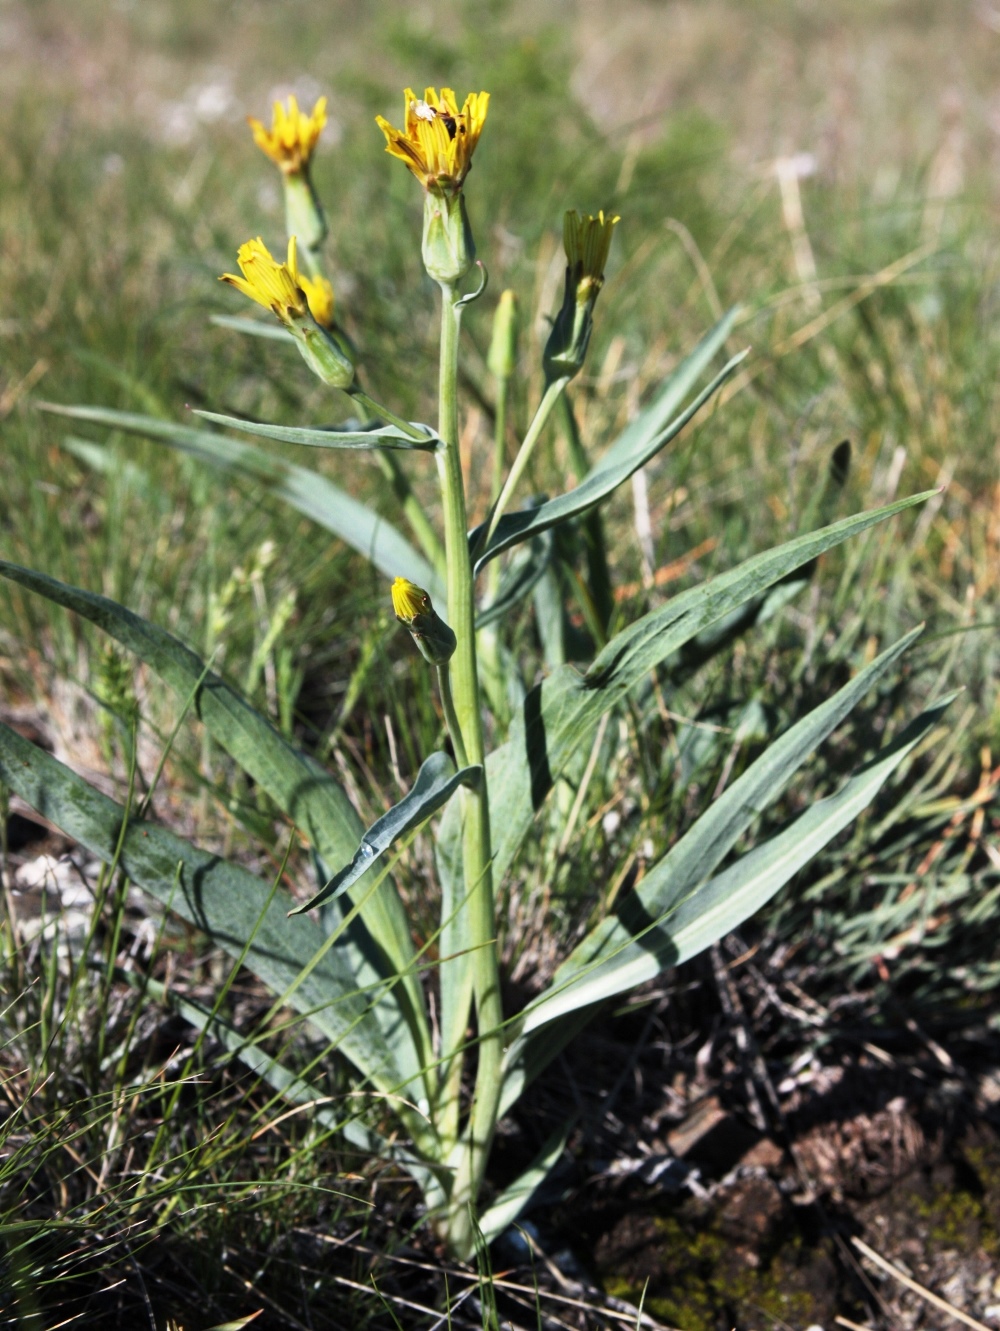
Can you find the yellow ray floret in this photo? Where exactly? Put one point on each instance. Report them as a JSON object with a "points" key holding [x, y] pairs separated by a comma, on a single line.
{"points": [[276, 286], [588, 241], [319, 294], [292, 137], [409, 600], [439, 139]]}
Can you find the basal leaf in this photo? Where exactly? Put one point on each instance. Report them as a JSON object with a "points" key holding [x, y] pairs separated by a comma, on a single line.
{"points": [[695, 857], [298, 784], [561, 713], [712, 910], [226, 902]]}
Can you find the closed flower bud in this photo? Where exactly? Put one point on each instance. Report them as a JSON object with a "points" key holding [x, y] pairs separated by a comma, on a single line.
{"points": [[587, 241], [324, 353], [412, 607], [502, 358]]}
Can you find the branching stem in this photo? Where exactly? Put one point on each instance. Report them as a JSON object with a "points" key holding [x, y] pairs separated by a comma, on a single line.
{"points": [[549, 399], [451, 720]]}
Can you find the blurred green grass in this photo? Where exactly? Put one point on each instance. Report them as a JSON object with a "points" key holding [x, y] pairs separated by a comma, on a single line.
{"points": [[128, 179]]}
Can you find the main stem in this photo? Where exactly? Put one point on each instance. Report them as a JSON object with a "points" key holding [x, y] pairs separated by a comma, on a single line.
{"points": [[477, 850]]}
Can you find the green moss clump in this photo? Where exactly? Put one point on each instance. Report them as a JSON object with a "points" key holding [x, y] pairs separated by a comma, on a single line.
{"points": [[706, 1286]]}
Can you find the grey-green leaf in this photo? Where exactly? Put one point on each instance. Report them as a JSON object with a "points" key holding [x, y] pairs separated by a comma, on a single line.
{"points": [[222, 899], [560, 714], [692, 859], [656, 415], [611, 472], [708, 913], [386, 436], [519, 580], [518, 1196], [310, 493], [272, 332], [436, 782], [297, 783]]}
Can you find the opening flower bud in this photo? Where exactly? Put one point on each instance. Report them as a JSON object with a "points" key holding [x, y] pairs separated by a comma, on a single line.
{"points": [[412, 606], [502, 358], [587, 241]]}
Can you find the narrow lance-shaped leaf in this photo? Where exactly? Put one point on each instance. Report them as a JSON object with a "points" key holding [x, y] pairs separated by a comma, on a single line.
{"points": [[519, 580], [635, 440], [297, 783], [713, 909], [518, 1196], [561, 713], [436, 782], [225, 901], [601, 482], [656, 415], [386, 436], [312, 495], [697, 854]]}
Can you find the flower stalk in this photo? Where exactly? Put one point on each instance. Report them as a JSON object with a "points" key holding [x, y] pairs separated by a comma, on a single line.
{"points": [[549, 399], [290, 144], [478, 906]]}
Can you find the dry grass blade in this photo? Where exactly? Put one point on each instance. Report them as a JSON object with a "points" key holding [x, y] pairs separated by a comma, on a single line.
{"points": [[924, 1293]]}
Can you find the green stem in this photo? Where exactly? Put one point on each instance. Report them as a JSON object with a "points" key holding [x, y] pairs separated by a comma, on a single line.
{"points": [[477, 907], [499, 439], [451, 720], [598, 575], [549, 399], [377, 409]]}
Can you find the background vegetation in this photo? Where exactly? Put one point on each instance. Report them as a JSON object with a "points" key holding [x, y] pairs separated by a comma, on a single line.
{"points": [[127, 181]]}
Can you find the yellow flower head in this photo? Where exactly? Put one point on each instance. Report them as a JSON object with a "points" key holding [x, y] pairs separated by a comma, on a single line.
{"points": [[276, 286], [409, 601], [292, 137], [319, 294], [588, 242], [439, 139], [431, 636]]}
